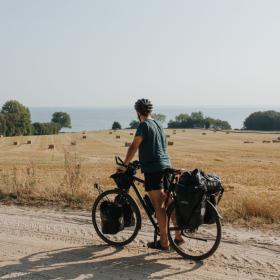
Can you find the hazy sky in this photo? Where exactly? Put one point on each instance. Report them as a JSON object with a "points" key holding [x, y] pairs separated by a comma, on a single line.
{"points": [[90, 53]]}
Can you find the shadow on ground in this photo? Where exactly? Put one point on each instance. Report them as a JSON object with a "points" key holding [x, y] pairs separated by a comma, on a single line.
{"points": [[95, 262]]}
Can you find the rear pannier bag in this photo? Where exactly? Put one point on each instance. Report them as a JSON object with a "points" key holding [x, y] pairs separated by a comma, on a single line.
{"points": [[112, 218], [214, 194], [129, 219], [191, 198]]}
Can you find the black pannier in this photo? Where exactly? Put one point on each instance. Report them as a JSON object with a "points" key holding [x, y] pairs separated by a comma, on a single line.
{"points": [[112, 218], [191, 198], [214, 194], [129, 219], [122, 180]]}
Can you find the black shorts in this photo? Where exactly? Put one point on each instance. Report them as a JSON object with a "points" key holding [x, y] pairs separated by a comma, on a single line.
{"points": [[154, 181]]}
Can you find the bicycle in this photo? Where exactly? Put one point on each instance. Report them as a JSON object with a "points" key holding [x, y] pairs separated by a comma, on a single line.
{"points": [[198, 244]]}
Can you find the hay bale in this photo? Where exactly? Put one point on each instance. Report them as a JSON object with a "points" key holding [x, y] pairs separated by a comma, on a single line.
{"points": [[275, 141], [51, 146], [203, 133], [174, 132], [131, 133], [84, 132], [227, 132], [73, 143], [110, 132], [16, 143], [170, 143], [127, 144], [167, 136], [266, 141], [118, 137], [28, 142], [183, 130], [278, 138], [84, 137], [249, 142]]}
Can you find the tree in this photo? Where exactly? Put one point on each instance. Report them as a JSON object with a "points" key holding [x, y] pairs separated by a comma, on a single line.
{"points": [[134, 124], [2, 124], [45, 128], [17, 118], [266, 120], [116, 125], [159, 117], [62, 118], [197, 120]]}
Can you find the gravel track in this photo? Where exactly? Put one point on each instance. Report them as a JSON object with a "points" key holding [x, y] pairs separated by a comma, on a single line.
{"points": [[48, 244]]}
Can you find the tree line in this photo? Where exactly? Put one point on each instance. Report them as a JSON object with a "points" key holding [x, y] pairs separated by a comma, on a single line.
{"points": [[15, 119]]}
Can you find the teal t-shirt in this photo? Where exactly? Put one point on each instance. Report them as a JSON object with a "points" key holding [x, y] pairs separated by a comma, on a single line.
{"points": [[153, 154]]}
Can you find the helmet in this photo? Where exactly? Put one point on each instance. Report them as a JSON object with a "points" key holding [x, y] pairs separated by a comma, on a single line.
{"points": [[143, 106]]}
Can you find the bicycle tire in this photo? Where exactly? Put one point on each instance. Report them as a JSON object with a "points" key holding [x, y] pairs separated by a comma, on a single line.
{"points": [[216, 217], [135, 209]]}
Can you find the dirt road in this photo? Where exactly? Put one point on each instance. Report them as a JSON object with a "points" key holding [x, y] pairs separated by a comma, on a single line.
{"points": [[48, 244]]}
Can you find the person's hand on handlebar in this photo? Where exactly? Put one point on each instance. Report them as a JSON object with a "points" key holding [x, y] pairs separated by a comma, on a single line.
{"points": [[121, 169]]}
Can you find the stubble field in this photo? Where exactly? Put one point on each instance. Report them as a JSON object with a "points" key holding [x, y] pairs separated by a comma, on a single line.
{"points": [[64, 176]]}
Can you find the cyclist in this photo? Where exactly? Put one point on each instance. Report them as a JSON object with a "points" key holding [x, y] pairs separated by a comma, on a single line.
{"points": [[153, 157]]}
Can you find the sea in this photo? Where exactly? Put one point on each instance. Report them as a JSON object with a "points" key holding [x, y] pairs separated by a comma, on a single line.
{"points": [[100, 118]]}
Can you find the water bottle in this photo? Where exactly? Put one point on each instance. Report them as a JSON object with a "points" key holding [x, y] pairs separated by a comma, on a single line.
{"points": [[149, 205]]}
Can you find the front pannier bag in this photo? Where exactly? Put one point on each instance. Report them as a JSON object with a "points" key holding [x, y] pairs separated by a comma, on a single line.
{"points": [[191, 198], [112, 218], [128, 216]]}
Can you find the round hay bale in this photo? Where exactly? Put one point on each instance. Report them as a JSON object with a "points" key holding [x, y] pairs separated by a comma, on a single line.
{"points": [[170, 143], [28, 142], [118, 137], [278, 138], [127, 144], [266, 141], [275, 141], [73, 143], [167, 136], [16, 143], [203, 133], [110, 132], [84, 137], [131, 133], [51, 146], [249, 142]]}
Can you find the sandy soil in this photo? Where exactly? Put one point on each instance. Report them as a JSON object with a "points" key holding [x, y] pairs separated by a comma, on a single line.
{"points": [[49, 244]]}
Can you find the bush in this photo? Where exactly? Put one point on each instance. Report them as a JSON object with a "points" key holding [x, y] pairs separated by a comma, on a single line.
{"points": [[134, 124], [267, 120], [45, 128], [197, 120], [116, 125]]}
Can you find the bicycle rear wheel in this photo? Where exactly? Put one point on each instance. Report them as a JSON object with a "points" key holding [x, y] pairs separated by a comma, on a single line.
{"points": [[197, 244], [124, 236]]}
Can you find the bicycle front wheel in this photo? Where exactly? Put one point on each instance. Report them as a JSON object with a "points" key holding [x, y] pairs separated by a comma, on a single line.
{"points": [[196, 244], [126, 235]]}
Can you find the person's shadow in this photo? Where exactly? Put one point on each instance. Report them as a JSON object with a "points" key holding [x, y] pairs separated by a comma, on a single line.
{"points": [[92, 262]]}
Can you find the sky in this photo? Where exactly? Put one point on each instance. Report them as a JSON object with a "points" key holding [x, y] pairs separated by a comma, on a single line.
{"points": [[110, 53]]}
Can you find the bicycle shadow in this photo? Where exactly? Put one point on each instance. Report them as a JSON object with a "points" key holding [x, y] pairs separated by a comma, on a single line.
{"points": [[93, 262]]}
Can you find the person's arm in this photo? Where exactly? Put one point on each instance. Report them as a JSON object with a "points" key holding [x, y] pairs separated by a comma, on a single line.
{"points": [[130, 153], [133, 149]]}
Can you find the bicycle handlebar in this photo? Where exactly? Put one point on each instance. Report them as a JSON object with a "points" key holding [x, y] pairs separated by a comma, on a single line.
{"points": [[134, 165]]}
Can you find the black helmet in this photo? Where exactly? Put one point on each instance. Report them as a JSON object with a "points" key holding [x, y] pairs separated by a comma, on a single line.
{"points": [[143, 106]]}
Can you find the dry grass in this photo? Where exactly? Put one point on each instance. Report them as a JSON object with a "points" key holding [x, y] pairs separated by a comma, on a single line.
{"points": [[66, 174]]}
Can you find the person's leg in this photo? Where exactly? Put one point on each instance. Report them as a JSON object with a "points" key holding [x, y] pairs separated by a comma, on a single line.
{"points": [[158, 199], [178, 234]]}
